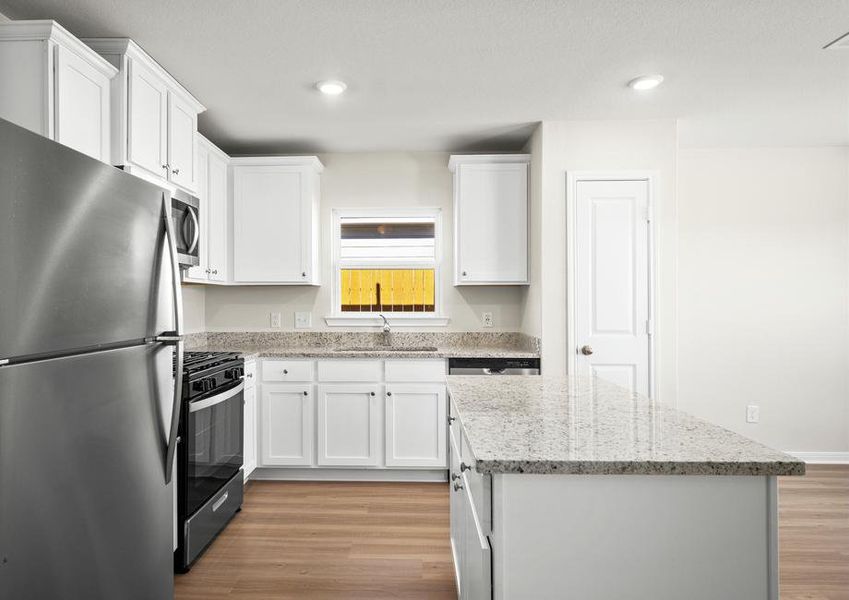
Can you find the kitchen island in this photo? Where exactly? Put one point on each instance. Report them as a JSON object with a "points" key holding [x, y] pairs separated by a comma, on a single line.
{"points": [[574, 487]]}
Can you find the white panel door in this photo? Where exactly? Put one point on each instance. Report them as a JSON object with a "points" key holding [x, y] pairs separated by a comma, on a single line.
{"points": [[182, 126], [250, 431], [491, 223], [82, 105], [148, 120], [286, 436], [201, 271], [349, 424], [217, 218], [612, 282], [416, 417], [271, 221]]}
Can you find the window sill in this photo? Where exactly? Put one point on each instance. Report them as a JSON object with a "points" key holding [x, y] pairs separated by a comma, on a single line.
{"points": [[397, 320]]}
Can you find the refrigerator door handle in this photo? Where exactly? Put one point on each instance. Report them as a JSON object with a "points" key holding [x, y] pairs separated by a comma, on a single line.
{"points": [[175, 338]]}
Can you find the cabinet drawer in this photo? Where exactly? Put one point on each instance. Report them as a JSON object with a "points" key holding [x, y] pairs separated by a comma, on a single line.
{"points": [[350, 370], [250, 374], [287, 370], [415, 370]]}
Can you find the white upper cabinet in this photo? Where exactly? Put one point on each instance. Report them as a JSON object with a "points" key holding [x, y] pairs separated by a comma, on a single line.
{"points": [[490, 219], [56, 86], [275, 220], [212, 181], [154, 118]]}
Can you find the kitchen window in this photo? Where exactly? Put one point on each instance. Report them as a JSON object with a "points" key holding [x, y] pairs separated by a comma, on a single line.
{"points": [[386, 262]]}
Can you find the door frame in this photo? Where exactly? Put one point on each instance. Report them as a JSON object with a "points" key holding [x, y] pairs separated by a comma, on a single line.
{"points": [[572, 180]]}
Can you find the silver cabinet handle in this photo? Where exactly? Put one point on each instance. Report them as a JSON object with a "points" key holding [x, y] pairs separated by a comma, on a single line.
{"points": [[250, 375], [464, 273], [285, 371], [165, 166], [175, 171], [215, 272], [586, 350], [451, 420], [303, 273], [457, 487], [464, 467], [388, 393], [208, 271], [454, 476], [372, 393], [306, 393]]}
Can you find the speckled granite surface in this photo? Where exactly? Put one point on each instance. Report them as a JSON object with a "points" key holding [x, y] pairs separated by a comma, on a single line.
{"points": [[321, 344], [582, 425]]}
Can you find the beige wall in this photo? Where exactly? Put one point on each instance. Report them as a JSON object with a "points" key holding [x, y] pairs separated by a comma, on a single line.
{"points": [[573, 146], [369, 180], [764, 283], [194, 308], [531, 308]]}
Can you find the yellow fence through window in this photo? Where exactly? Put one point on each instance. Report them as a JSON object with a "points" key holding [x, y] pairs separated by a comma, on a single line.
{"points": [[387, 290]]}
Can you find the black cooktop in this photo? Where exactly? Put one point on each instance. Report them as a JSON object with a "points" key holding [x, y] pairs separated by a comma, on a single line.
{"points": [[197, 364]]}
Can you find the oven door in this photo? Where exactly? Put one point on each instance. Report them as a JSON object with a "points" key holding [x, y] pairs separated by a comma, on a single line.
{"points": [[214, 444], [185, 211]]}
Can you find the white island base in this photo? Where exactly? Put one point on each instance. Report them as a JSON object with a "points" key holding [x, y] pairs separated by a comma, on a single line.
{"points": [[634, 537]]}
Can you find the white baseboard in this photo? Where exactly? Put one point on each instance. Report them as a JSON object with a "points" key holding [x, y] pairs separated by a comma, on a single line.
{"points": [[323, 474], [822, 458]]}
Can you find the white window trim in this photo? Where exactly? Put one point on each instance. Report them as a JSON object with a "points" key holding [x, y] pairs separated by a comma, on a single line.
{"points": [[396, 319]]}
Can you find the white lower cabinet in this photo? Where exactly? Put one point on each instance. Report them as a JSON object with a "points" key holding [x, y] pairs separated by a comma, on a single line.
{"points": [[287, 427], [250, 437], [349, 424], [415, 425]]}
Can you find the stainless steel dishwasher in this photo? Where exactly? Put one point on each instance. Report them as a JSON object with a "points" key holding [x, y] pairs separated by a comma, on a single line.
{"points": [[493, 366]]}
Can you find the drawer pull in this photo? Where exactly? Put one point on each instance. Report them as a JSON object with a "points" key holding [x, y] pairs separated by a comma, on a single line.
{"points": [[457, 487], [454, 477], [306, 393], [220, 501], [285, 371], [465, 467]]}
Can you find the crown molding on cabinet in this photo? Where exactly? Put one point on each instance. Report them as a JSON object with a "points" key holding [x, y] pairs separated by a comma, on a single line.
{"points": [[127, 47], [23, 31], [476, 159], [278, 161]]}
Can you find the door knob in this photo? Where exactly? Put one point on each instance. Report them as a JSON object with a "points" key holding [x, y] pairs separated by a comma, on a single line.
{"points": [[586, 350]]}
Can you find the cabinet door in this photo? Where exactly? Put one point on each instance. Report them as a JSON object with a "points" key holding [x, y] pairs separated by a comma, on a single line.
{"points": [[416, 419], [476, 576], [250, 431], [82, 105], [286, 435], [148, 120], [491, 221], [202, 270], [182, 126], [348, 424], [272, 219], [217, 218]]}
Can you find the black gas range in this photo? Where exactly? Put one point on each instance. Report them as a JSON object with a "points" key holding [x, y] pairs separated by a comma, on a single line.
{"points": [[209, 451]]}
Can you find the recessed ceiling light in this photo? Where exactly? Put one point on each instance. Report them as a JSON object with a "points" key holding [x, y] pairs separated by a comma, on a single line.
{"points": [[331, 87], [645, 82]]}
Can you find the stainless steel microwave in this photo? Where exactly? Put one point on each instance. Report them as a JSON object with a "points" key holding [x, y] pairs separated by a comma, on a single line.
{"points": [[185, 211]]}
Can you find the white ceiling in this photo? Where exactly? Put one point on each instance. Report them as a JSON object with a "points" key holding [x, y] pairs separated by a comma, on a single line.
{"points": [[477, 74]]}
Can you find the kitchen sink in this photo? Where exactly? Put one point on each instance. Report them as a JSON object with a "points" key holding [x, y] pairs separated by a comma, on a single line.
{"points": [[387, 349]]}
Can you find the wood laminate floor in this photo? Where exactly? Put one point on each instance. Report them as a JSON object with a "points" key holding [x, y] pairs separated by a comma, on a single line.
{"points": [[390, 540]]}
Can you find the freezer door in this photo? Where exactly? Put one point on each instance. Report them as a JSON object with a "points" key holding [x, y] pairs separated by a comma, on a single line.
{"points": [[83, 260], [84, 508]]}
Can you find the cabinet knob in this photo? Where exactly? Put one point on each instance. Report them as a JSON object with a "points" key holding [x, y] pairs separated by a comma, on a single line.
{"points": [[303, 274], [451, 420], [175, 171], [306, 393], [464, 273], [285, 371], [457, 487], [388, 393], [372, 393], [454, 477], [464, 467], [250, 375], [215, 272], [165, 166], [586, 350]]}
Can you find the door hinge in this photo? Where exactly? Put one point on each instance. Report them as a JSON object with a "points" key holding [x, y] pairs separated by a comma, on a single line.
{"points": [[649, 327]]}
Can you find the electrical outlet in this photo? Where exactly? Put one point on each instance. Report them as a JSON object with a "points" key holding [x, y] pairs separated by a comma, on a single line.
{"points": [[487, 319], [303, 320], [276, 319], [753, 413]]}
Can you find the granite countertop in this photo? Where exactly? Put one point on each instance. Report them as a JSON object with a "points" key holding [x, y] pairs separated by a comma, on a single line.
{"points": [[253, 351], [583, 425]]}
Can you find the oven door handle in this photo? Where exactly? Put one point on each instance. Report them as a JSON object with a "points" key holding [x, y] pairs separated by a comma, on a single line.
{"points": [[216, 399]]}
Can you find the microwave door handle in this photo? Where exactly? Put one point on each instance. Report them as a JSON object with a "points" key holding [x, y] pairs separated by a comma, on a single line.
{"points": [[195, 229], [175, 338]]}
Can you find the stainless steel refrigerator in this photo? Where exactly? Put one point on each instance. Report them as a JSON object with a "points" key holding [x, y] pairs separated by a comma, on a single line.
{"points": [[90, 315]]}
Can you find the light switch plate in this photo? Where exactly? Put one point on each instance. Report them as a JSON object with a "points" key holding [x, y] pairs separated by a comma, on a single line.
{"points": [[487, 319], [276, 319], [753, 413], [303, 320]]}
